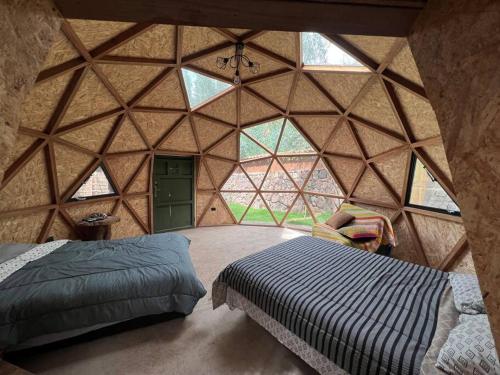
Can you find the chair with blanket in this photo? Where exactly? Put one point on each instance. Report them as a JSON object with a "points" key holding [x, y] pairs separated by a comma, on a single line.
{"points": [[360, 228]]}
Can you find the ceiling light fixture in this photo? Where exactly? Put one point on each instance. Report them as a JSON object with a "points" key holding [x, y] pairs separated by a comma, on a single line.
{"points": [[236, 61]]}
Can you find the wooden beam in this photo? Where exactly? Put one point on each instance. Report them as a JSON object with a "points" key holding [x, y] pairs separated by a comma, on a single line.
{"points": [[454, 254]]}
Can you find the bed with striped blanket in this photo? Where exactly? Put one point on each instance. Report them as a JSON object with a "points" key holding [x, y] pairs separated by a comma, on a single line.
{"points": [[366, 313]]}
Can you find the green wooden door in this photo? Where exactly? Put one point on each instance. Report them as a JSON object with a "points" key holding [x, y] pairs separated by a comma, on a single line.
{"points": [[173, 193]]}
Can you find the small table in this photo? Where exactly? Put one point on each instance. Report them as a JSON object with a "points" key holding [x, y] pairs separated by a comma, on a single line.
{"points": [[97, 230]]}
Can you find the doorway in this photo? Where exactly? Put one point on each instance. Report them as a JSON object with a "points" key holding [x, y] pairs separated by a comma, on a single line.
{"points": [[173, 193]]}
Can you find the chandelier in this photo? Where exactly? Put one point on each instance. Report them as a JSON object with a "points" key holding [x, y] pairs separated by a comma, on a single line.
{"points": [[237, 61]]}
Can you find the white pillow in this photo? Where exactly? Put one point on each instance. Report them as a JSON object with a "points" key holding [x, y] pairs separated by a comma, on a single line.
{"points": [[470, 348], [466, 293]]}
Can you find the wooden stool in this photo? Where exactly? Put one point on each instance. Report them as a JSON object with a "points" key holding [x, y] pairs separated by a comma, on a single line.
{"points": [[97, 230]]}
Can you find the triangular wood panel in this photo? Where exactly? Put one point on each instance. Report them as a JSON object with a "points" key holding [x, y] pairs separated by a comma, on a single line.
{"points": [[223, 108], [127, 139], [203, 198], [158, 42], [168, 94], [227, 148], [437, 155], [61, 51], [94, 33], [78, 212], [346, 170], [404, 65], [70, 165], [60, 229], [375, 47], [141, 182], [181, 139], [156, 125], [373, 142], [276, 90], [307, 98], [370, 186], [267, 65], [254, 110], [207, 64], [218, 216], [204, 181], [318, 129], [23, 143], [280, 43], [196, 39], [393, 170], [127, 226], [141, 207], [219, 169], [343, 142], [209, 132], [24, 228], [93, 136], [123, 167]]}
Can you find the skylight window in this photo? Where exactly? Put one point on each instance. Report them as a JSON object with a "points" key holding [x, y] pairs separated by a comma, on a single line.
{"points": [[97, 185], [426, 192], [317, 50], [201, 88]]}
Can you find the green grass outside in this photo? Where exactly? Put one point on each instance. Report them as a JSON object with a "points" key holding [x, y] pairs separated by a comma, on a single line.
{"points": [[262, 215]]}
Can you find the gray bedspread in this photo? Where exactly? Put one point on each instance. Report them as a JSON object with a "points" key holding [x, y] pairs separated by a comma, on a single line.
{"points": [[83, 284], [368, 313]]}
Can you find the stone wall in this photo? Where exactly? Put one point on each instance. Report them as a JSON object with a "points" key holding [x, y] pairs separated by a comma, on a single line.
{"points": [[455, 45], [27, 30]]}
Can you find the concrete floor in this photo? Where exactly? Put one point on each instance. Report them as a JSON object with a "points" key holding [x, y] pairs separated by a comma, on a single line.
{"points": [[206, 342]]}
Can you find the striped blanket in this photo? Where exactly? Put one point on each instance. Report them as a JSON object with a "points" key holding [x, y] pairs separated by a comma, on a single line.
{"points": [[367, 313]]}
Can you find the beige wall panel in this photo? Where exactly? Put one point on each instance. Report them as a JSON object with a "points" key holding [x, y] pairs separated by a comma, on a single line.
{"points": [[420, 115], [280, 42], [158, 42], [168, 94], [23, 142], [343, 142], [127, 226], [79, 211], [141, 207], [60, 230], [345, 169], [307, 98], [155, 125], [202, 200], [394, 171], [238, 32], [209, 131], [381, 210], [204, 181], [254, 110], [30, 187], [438, 237], [123, 167], [208, 63], [94, 33], [374, 143], [318, 129], [93, 136], [437, 154], [276, 90], [343, 87], [91, 99], [41, 101], [217, 217], [223, 108], [369, 187], [195, 39], [404, 65], [22, 228], [219, 169], [464, 264], [267, 65], [70, 165], [60, 51], [128, 79], [127, 139], [375, 107], [227, 149], [141, 183], [405, 249], [375, 47], [182, 139]]}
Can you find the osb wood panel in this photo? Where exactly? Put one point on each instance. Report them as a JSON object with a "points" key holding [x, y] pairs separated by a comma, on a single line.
{"points": [[208, 63], [202, 200], [159, 42], [393, 170], [204, 181], [254, 110], [60, 51], [437, 154], [307, 98], [41, 101], [195, 39], [375, 47], [227, 149], [61, 230], [81, 210], [209, 132], [22, 228], [123, 167], [94, 33], [405, 249], [281, 43], [267, 65], [168, 94], [343, 87], [346, 170], [224, 108], [404, 65], [127, 226], [369, 187], [141, 207], [182, 139], [29, 188], [141, 183], [374, 143], [92, 98], [219, 169], [127, 139], [276, 90], [70, 165], [318, 129], [343, 142], [438, 237], [23, 142], [156, 125], [464, 263], [91, 137], [218, 216]]}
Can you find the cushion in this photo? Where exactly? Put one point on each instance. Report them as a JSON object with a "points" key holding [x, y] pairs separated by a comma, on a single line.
{"points": [[357, 232], [467, 294], [12, 250], [470, 348], [339, 219]]}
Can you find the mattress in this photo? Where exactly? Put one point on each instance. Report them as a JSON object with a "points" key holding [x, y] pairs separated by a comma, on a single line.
{"points": [[90, 284], [367, 313]]}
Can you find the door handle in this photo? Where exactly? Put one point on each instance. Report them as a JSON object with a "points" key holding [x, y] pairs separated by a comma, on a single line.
{"points": [[170, 209], [155, 189]]}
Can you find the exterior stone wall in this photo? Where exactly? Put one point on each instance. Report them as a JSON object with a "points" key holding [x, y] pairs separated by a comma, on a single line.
{"points": [[27, 30]]}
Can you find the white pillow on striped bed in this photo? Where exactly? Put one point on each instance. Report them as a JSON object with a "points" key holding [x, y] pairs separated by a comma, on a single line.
{"points": [[466, 293]]}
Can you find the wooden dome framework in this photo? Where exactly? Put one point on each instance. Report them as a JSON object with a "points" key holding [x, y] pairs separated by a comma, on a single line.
{"points": [[367, 135]]}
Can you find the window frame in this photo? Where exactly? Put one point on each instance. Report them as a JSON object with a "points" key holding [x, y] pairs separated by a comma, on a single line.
{"points": [[411, 176], [110, 181]]}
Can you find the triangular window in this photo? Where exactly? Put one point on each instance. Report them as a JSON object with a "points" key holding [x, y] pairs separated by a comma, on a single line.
{"points": [[267, 134], [258, 213], [238, 202], [317, 50], [292, 142], [321, 181], [97, 185], [426, 192], [238, 182], [249, 149], [201, 88]]}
